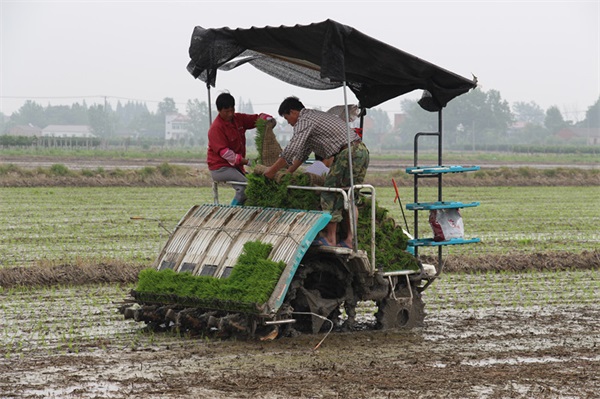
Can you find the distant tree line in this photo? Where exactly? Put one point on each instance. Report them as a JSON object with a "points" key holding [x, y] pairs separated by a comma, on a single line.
{"points": [[131, 121], [481, 120], [477, 120]]}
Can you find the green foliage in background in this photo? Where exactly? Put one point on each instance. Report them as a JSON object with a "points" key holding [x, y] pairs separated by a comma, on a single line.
{"points": [[59, 170], [251, 282]]}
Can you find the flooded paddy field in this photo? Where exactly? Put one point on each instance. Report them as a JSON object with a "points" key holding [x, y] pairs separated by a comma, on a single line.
{"points": [[486, 335], [524, 321]]}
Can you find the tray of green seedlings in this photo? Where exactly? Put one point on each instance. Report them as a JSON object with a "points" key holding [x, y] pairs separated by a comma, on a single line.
{"points": [[390, 240], [249, 286], [263, 192]]}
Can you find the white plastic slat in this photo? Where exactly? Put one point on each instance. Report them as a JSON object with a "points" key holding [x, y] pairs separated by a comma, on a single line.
{"points": [[253, 231], [180, 240], [215, 235], [205, 238]]}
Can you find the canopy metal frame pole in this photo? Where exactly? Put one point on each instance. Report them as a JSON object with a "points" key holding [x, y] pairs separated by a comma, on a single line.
{"points": [[209, 104], [351, 212]]}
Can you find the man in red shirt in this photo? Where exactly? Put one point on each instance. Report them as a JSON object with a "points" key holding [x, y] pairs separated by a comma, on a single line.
{"points": [[226, 155]]}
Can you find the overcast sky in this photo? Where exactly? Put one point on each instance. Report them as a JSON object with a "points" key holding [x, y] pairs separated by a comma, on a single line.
{"points": [[56, 52]]}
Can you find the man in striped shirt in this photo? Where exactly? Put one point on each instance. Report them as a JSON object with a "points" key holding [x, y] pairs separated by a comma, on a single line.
{"points": [[327, 136]]}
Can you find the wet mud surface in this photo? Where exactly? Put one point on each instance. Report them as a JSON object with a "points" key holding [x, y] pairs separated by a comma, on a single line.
{"points": [[501, 335]]}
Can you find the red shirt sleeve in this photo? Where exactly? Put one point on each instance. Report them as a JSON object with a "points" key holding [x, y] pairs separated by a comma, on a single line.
{"points": [[248, 121], [217, 138]]}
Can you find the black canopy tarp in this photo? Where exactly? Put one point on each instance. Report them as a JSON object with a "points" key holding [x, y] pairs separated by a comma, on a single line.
{"points": [[322, 56]]}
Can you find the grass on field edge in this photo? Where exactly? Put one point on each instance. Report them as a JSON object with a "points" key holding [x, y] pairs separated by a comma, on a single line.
{"points": [[169, 175], [82, 271]]}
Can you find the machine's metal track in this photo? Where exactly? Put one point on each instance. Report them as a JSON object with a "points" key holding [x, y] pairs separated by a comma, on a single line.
{"points": [[321, 288], [194, 321]]}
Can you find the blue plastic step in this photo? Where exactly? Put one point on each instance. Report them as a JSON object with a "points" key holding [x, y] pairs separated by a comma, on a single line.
{"points": [[430, 170], [429, 242], [439, 205]]}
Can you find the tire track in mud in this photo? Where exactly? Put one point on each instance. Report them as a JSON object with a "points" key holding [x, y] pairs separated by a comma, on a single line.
{"points": [[483, 338]]}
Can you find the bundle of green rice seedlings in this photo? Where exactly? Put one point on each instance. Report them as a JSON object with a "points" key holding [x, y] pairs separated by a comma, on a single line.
{"points": [[267, 146]]}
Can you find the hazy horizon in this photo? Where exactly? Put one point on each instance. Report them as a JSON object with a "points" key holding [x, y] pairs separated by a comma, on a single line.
{"points": [[60, 53]]}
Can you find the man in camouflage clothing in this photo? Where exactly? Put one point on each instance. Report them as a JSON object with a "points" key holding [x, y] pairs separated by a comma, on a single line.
{"points": [[325, 135]]}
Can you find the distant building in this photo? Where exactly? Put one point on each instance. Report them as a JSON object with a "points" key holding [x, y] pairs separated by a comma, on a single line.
{"points": [[368, 123], [591, 135], [67, 131], [398, 120], [519, 125], [283, 134], [127, 134], [25, 130], [177, 127]]}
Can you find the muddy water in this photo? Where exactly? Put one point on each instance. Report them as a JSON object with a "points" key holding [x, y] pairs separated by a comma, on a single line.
{"points": [[530, 335]]}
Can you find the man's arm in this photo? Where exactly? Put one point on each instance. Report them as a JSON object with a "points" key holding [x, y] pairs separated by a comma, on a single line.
{"points": [[295, 165], [280, 164], [233, 158], [249, 120], [271, 170]]}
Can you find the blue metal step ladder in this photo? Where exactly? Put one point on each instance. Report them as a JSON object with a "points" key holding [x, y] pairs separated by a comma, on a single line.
{"points": [[436, 172]]}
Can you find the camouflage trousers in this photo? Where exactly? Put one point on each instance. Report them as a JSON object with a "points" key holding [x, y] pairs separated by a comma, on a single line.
{"points": [[339, 176]]}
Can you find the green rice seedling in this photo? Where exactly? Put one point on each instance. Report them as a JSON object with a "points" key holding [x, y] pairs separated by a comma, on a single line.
{"points": [[251, 282], [260, 125], [391, 242]]}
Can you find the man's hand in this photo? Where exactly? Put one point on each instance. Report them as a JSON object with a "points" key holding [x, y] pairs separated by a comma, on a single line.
{"points": [[270, 172], [273, 169], [268, 118]]}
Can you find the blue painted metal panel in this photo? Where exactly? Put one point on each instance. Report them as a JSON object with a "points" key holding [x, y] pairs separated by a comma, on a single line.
{"points": [[425, 170], [439, 205], [430, 242]]}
